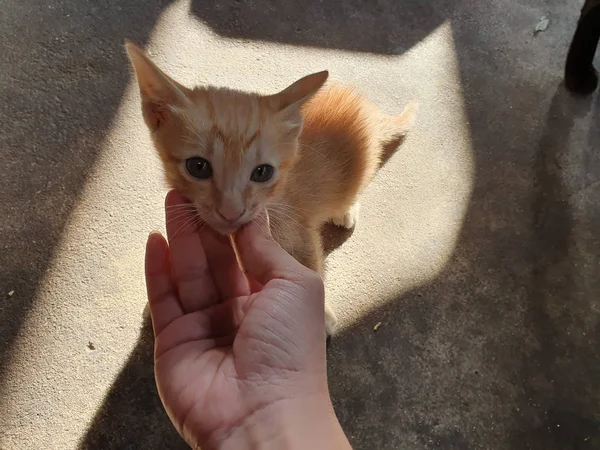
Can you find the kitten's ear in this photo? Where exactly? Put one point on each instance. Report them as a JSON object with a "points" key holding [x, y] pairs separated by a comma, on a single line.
{"points": [[299, 92], [289, 101], [158, 90]]}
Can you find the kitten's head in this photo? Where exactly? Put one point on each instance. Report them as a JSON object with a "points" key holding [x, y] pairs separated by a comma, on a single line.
{"points": [[227, 151]]}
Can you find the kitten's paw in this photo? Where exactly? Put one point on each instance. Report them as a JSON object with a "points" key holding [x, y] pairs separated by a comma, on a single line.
{"points": [[330, 321], [350, 219]]}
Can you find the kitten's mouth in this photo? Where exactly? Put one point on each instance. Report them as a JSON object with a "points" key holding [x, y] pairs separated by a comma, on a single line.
{"points": [[228, 228]]}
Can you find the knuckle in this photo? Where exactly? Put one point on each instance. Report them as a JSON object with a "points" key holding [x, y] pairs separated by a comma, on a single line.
{"points": [[313, 281]]}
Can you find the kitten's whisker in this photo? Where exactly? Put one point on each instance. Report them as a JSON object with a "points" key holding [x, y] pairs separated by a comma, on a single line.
{"points": [[176, 219], [181, 206], [281, 206], [289, 216], [285, 216], [185, 225], [282, 212], [199, 223], [288, 207], [261, 220], [178, 210], [263, 225], [181, 210], [180, 215], [278, 232]]}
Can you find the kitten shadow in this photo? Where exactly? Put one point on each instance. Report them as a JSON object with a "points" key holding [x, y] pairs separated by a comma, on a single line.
{"points": [[334, 236], [390, 148], [562, 273]]}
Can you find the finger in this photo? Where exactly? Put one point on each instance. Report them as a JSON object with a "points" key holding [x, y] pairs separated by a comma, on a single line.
{"points": [[188, 261], [162, 294], [262, 258], [223, 263]]}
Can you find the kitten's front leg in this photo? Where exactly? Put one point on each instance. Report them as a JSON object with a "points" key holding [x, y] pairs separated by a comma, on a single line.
{"points": [[349, 219], [331, 321], [304, 244], [309, 253]]}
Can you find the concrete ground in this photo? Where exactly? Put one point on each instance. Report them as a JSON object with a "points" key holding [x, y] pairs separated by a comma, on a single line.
{"points": [[478, 248]]}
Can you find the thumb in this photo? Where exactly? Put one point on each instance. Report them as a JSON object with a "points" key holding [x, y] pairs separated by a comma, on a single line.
{"points": [[262, 258]]}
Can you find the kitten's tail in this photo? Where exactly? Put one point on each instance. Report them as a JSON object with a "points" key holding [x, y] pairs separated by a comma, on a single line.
{"points": [[395, 128]]}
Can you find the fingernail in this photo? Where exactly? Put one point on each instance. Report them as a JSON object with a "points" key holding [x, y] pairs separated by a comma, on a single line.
{"points": [[154, 232]]}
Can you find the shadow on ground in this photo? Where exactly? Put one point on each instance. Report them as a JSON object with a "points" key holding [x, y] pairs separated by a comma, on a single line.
{"points": [[501, 349], [386, 27], [63, 77]]}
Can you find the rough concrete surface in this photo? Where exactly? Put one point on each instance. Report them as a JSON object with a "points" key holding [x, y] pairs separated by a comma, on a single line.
{"points": [[478, 247]]}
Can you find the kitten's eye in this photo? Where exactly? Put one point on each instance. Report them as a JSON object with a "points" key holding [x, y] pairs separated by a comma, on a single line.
{"points": [[198, 168], [262, 173]]}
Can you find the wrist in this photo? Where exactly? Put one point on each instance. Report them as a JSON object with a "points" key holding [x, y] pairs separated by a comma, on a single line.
{"points": [[291, 424]]}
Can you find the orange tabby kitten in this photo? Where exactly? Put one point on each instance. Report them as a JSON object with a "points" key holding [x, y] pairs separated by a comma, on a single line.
{"points": [[304, 153]]}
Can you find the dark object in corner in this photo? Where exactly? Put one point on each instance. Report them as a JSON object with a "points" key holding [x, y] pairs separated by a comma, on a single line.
{"points": [[580, 75]]}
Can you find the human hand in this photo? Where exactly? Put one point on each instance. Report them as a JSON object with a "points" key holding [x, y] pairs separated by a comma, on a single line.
{"points": [[239, 359]]}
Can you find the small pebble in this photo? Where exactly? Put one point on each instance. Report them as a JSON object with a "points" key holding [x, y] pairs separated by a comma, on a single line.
{"points": [[542, 25], [11, 293]]}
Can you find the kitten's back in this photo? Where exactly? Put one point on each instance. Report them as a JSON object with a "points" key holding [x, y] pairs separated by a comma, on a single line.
{"points": [[342, 143]]}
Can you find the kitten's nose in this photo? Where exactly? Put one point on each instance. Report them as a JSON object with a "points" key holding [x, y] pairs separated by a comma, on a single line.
{"points": [[229, 215]]}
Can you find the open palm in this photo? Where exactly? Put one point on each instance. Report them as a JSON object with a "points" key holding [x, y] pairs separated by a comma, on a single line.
{"points": [[228, 345]]}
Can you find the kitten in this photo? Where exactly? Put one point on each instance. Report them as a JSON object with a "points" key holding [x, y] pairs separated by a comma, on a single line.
{"points": [[304, 153]]}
